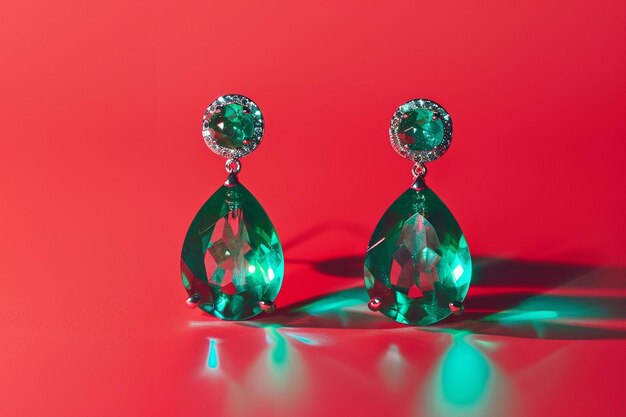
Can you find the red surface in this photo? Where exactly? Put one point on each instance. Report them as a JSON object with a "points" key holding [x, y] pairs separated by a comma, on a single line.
{"points": [[103, 167]]}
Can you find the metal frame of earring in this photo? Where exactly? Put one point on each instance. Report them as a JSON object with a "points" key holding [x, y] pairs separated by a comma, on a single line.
{"points": [[418, 266], [232, 262]]}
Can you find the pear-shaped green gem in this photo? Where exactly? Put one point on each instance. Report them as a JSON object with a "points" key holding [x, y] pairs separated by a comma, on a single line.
{"points": [[418, 266], [232, 261]]}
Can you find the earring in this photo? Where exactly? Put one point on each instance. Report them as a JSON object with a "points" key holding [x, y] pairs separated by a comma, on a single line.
{"points": [[232, 261], [418, 266]]}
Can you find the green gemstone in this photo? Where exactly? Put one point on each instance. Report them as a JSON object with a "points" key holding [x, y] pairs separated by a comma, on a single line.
{"points": [[233, 126], [421, 130], [232, 257], [418, 261]]}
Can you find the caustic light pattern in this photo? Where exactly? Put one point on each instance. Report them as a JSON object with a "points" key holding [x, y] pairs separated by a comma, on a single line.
{"points": [[418, 262], [232, 257]]}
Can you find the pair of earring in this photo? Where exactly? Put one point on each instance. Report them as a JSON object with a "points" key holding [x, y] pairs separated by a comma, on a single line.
{"points": [[417, 265]]}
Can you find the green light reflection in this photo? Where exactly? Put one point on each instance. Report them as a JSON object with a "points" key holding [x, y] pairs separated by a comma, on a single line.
{"points": [[300, 338], [282, 364], [463, 381], [464, 374], [549, 315], [278, 353], [512, 316], [212, 361], [335, 303]]}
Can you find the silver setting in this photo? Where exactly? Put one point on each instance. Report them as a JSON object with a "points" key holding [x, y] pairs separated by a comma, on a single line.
{"points": [[375, 303], [419, 170], [420, 157], [418, 183], [457, 307], [193, 301], [216, 107], [233, 166], [231, 181], [267, 306]]}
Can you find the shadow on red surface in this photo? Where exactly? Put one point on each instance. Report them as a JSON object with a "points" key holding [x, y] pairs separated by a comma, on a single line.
{"points": [[521, 319], [507, 297]]}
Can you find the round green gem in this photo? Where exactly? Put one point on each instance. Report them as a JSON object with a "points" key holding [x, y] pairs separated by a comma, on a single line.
{"points": [[418, 264], [421, 130], [233, 126]]}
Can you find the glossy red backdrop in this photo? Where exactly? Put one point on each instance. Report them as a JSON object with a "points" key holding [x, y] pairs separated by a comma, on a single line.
{"points": [[103, 167]]}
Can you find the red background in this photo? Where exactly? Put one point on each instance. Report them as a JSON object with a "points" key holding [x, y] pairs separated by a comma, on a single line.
{"points": [[103, 167]]}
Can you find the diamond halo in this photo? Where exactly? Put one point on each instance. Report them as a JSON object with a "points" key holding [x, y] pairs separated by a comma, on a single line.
{"points": [[217, 106], [426, 155]]}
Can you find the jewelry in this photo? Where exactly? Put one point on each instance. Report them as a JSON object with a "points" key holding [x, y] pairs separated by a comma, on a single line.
{"points": [[418, 266], [232, 261]]}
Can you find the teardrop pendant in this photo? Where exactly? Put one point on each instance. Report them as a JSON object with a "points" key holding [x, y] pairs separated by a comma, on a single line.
{"points": [[417, 263], [232, 259], [418, 266]]}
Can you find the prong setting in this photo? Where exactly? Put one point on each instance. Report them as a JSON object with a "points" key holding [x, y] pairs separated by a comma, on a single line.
{"points": [[375, 303], [193, 301], [267, 306], [456, 307]]}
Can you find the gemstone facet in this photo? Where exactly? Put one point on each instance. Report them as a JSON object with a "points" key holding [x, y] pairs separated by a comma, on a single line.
{"points": [[233, 126], [232, 260], [421, 130], [418, 262]]}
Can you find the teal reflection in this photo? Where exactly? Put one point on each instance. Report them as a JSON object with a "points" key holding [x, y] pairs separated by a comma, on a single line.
{"points": [[463, 381], [549, 307], [278, 352], [464, 374], [336, 302], [514, 316], [343, 308], [301, 338], [212, 361], [550, 316], [281, 364]]}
